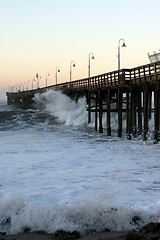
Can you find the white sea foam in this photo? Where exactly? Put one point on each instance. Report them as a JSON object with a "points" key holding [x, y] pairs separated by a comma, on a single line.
{"points": [[16, 216], [66, 110], [57, 176], [70, 112]]}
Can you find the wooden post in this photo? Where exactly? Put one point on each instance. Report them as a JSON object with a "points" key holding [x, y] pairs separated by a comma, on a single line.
{"points": [[100, 111], [139, 101], [127, 111], [130, 129], [159, 109], [109, 112], [96, 102], [150, 104], [156, 114], [119, 101], [89, 107], [145, 114], [134, 112]]}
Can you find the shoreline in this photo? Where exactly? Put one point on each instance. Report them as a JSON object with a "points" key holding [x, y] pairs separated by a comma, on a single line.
{"points": [[148, 232], [45, 236]]}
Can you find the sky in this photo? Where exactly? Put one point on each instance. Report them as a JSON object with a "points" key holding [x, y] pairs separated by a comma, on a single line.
{"points": [[37, 36]]}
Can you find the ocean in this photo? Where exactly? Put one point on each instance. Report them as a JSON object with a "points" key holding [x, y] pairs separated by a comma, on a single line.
{"points": [[57, 172]]}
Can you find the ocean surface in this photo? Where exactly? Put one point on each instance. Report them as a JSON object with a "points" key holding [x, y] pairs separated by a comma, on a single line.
{"points": [[56, 172]]}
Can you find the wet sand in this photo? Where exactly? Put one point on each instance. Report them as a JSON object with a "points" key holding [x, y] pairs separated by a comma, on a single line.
{"points": [[93, 236], [44, 236], [149, 232]]}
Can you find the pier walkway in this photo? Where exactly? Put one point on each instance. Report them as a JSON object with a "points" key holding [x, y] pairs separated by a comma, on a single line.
{"points": [[133, 92]]}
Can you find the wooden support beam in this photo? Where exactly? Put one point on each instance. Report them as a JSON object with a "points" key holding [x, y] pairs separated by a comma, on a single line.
{"points": [[130, 127], [119, 104], [89, 107], [96, 102], [100, 111], [127, 111], [139, 102], [159, 109], [150, 104], [134, 112], [145, 114], [109, 112], [156, 114]]}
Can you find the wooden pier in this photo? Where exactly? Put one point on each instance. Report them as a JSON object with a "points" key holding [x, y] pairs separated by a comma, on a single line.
{"points": [[133, 92]]}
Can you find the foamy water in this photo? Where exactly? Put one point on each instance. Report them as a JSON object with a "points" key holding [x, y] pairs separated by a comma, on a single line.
{"points": [[58, 173]]}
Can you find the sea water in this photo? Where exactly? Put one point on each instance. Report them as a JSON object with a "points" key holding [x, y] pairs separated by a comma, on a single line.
{"points": [[56, 172]]}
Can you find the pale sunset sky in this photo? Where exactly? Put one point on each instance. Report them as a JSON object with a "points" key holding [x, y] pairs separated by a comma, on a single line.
{"points": [[37, 36]]}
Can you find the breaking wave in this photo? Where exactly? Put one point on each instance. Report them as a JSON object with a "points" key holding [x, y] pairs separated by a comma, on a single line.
{"points": [[66, 111], [17, 216]]}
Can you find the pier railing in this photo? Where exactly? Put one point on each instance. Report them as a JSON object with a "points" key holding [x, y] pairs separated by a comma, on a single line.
{"points": [[137, 75]]}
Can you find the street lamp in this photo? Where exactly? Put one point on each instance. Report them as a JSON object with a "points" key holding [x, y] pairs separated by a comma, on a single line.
{"points": [[91, 56], [57, 70], [24, 86], [37, 76], [47, 75], [27, 84], [71, 65], [123, 45], [32, 82]]}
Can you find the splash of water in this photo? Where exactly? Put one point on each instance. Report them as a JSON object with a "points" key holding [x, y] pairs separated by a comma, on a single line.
{"points": [[66, 111], [72, 113]]}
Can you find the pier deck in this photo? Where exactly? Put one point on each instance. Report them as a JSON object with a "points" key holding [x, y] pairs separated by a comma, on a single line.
{"points": [[133, 92]]}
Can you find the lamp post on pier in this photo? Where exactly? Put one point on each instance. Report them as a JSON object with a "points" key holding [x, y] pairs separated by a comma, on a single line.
{"points": [[57, 71], [24, 86], [91, 56], [27, 84], [123, 45], [32, 82], [71, 65], [47, 75], [37, 76]]}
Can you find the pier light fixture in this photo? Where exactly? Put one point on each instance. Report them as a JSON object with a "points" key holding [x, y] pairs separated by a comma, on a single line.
{"points": [[47, 75], [71, 65], [24, 86], [37, 76], [57, 71], [91, 56], [33, 82], [123, 45], [27, 85]]}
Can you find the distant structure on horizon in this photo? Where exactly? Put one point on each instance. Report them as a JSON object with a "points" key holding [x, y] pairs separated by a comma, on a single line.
{"points": [[155, 57]]}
